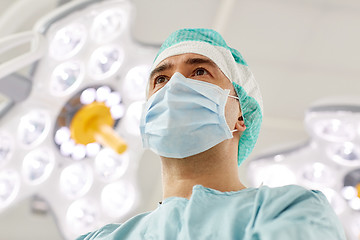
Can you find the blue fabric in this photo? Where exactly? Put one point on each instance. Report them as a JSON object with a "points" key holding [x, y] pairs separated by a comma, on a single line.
{"points": [[284, 213], [184, 118], [252, 118]]}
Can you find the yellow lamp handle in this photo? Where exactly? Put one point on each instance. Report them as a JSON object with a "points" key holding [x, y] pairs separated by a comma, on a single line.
{"points": [[357, 187], [106, 136]]}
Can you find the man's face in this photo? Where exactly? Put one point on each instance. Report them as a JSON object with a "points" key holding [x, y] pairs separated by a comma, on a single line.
{"points": [[190, 65], [196, 67]]}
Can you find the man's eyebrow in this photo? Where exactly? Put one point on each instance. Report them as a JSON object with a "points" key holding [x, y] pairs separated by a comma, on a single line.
{"points": [[194, 61], [191, 61], [162, 67]]}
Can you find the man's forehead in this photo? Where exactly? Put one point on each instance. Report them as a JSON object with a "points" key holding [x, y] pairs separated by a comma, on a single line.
{"points": [[186, 58]]}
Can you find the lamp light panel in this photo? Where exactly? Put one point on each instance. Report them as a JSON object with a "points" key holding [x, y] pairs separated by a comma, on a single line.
{"points": [[89, 55]]}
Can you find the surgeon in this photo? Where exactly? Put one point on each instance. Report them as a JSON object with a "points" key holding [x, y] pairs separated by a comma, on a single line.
{"points": [[203, 117]]}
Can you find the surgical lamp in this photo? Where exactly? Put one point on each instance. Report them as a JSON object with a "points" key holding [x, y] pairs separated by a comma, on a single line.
{"points": [[74, 141], [329, 162]]}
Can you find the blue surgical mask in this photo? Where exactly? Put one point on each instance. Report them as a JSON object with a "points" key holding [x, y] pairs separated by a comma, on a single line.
{"points": [[184, 118]]}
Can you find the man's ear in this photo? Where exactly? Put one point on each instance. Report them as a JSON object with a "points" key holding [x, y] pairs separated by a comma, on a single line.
{"points": [[240, 124]]}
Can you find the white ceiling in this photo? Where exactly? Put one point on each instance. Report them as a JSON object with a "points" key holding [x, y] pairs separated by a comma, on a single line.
{"points": [[299, 51]]}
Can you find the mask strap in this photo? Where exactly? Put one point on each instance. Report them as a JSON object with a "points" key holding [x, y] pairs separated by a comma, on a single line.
{"points": [[233, 97], [235, 130]]}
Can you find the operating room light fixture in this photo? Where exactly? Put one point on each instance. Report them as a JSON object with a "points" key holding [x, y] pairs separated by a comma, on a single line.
{"points": [[329, 162], [117, 198], [76, 180], [346, 153], [9, 186], [68, 41], [111, 166], [82, 215], [92, 104], [67, 77], [318, 174], [38, 165], [108, 25], [33, 128], [334, 130], [74, 142], [105, 61]]}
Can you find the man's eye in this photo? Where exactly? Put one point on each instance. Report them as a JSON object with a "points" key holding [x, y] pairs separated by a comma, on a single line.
{"points": [[200, 71], [160, 79]]}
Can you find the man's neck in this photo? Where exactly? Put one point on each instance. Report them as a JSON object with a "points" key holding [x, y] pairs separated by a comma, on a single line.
{"points": [[210, 169]]}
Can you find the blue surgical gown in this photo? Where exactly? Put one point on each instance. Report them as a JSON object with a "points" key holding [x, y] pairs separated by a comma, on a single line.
{"points": [[283, 213]]}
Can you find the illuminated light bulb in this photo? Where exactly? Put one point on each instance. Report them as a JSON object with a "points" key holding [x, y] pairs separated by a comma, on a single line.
{"points": [[113, 99], [335, 130], [38, 165], [102, 93], [62, 135], [82, 216], [76, 180], [136, 81], [88, 96], [346, 154], [33, 127], [118, 198], [79, 152], [132, 118], [92, 149], [117, 111], [105, 61], [108, 25], [66, 77], [279, 158], [335, 200], [349, 192], [318, 173], [6, 147], [110, 165], [272, 175], [68, 41], [66, 148], [9, 187], [355, 204]]}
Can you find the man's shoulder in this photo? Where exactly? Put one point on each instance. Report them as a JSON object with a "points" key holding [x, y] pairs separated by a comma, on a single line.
{"points": [[302, 212], [114, 230], [291, 195], [101, 232], [289, 189]]}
